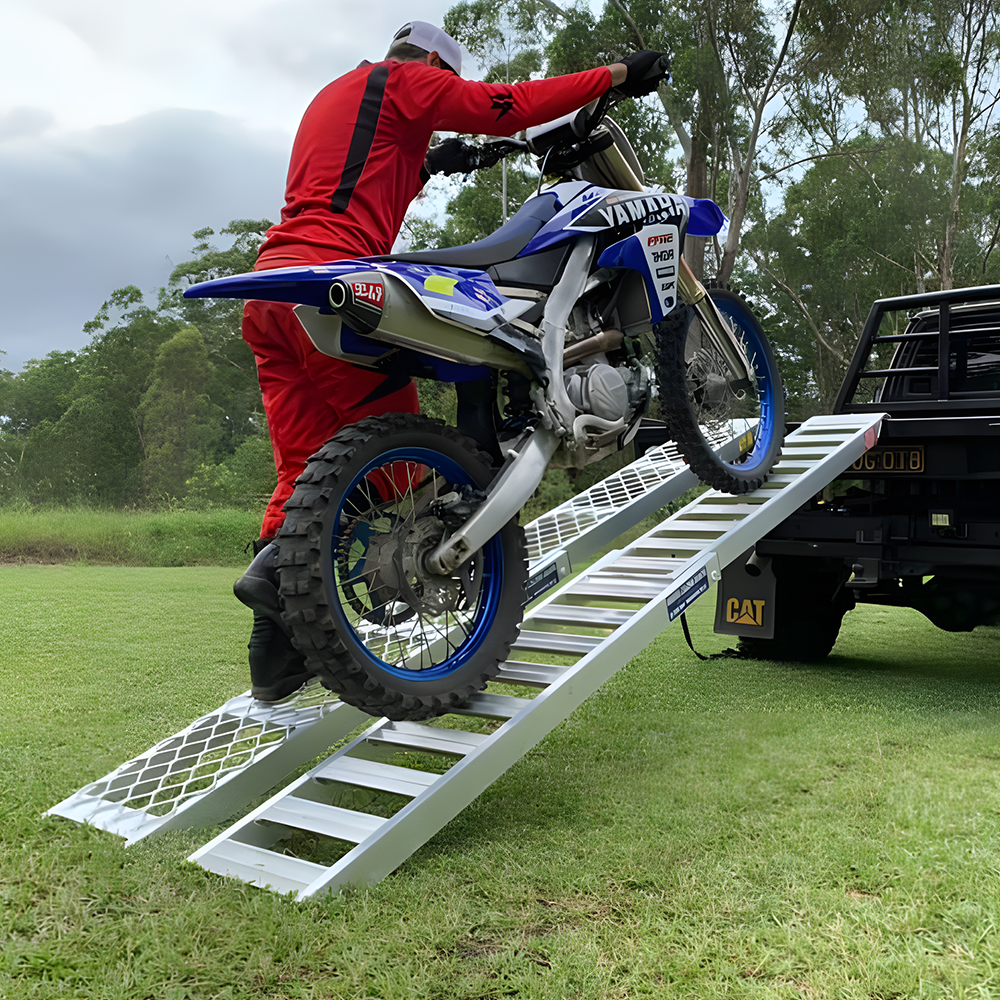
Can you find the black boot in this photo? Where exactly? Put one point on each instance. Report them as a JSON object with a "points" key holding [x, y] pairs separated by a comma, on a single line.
{"points": [[277, 668]]}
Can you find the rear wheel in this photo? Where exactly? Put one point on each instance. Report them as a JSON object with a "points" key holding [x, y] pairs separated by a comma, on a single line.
{"points": [[388, 635], [809, 606], [701, 406]]}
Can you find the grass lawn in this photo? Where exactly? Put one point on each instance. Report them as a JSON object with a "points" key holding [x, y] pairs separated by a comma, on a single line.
{"points": [[697, 830]]}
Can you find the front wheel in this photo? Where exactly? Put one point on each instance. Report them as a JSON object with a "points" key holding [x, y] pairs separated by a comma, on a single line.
{"points": [[702, 408], [379, 628]]}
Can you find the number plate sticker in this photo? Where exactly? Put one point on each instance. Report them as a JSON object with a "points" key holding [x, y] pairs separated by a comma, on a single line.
{"points": [[889, 459], [661, 247]]}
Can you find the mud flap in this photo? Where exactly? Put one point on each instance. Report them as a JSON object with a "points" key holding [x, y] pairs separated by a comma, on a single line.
{"points": [[745, 598]]}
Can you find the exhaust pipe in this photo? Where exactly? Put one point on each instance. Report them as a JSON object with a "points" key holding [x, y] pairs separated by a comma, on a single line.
{"points": [[606, 340], [359, 302]]}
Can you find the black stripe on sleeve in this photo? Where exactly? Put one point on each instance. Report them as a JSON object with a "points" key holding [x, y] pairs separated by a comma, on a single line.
{"points": [[361, 141]]}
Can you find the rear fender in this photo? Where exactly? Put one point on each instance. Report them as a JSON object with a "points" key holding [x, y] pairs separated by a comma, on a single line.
{"points": [[455, 314]]}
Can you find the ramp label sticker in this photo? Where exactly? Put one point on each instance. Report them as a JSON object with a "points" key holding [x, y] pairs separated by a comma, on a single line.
{"points": [[539, 582], [687, 593]]}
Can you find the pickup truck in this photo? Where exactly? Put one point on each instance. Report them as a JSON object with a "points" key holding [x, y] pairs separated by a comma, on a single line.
{"points": [[916, 521]]}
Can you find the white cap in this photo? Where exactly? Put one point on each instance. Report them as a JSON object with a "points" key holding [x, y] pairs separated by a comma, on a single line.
{"points": [[432, 39]]}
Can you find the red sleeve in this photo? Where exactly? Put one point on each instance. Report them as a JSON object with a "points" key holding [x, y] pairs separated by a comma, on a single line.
{"points": [[457, 105]]}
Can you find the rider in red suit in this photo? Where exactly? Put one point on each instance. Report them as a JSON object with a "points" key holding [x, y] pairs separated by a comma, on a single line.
{"points": [[357, 163]]}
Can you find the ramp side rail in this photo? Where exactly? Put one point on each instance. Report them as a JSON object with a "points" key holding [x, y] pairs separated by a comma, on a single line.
{"points": [[585, 630]]}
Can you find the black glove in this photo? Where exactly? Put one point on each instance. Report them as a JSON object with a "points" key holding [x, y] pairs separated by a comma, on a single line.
{"points": [[453, 156], [646, 69]]}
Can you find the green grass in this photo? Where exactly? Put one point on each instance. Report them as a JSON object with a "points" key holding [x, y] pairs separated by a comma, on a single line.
{"points": [[720, 829], [127, 538]]}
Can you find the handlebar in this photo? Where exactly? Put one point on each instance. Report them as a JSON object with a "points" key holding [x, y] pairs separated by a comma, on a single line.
{"points": [[564, 142], [504, 147]]}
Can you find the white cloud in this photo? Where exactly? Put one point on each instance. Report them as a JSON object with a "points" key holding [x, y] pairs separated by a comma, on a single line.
{"points": [[125, 126], [21, 122], [307, 58], [90, 211], [109, 60]]}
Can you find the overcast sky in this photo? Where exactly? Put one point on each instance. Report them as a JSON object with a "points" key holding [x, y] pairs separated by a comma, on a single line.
{"points": [[125, 126]]}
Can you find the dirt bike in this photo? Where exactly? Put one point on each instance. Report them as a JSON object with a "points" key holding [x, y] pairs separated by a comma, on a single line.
{"points": [[401, 565]]}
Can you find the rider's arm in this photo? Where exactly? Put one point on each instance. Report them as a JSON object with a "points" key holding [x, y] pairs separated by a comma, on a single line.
{"points": [[457, 105]]}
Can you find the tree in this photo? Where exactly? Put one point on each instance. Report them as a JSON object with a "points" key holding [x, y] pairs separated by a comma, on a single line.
{"points": [[90, 452], [233, 372], [129, 417], [42, 391], [841, 241], [925, 72], [180, 426]]}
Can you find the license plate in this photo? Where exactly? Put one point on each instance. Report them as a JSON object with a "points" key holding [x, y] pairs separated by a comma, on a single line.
{"points": [[889, 459]]}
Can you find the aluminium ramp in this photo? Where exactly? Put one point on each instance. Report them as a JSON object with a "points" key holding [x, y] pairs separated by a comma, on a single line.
{"points": [[593, 624], [221, 762]]}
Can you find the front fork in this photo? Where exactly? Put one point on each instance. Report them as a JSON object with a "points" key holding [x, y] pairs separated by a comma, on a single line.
{"points": [[723, 336]]}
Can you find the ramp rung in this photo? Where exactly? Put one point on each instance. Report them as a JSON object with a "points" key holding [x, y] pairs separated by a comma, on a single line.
{"points": [[487, 705], [785, 468], [824, 426], [416, 736], [755, 499], [719, 526], [318, 817], [712, 515], [259, 866], [671, 548], [642, 561], [568, 614], [529, 674], [378, 776], [556, 642], [732, 506], [672, 543], [686, 531], [619, 570], [616, 588]]}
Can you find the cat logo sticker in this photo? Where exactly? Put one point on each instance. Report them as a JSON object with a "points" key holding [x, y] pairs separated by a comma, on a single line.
{"points": [[745, 612]]}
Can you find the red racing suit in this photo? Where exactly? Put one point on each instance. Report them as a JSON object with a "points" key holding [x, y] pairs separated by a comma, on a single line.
{"points": [[357, 163]]}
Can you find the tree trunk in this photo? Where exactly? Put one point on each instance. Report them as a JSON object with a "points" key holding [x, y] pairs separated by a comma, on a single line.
{"points": [[947, 258], [697, 187]]}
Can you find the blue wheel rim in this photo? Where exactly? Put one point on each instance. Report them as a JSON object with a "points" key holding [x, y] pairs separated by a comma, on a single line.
{"points": [[768, 402], [476, 622]]}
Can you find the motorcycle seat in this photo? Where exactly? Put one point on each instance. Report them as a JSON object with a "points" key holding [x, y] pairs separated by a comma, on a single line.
{"points": [[503, 245]]}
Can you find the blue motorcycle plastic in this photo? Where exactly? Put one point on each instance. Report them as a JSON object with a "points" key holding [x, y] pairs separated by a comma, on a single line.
{"points": [[401, 564]]}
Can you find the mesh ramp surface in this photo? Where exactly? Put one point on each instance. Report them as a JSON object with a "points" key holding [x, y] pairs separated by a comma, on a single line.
{"points": [[222, 761]]}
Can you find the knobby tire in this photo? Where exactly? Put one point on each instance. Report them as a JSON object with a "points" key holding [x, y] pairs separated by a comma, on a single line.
{"points": [[319, 622]]}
